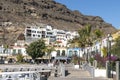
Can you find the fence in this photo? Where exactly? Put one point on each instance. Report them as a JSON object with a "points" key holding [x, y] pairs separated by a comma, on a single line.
{"points": [[89, 68], [24, 72]]}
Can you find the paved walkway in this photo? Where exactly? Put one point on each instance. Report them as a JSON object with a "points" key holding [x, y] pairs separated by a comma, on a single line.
{"points": [[73, 74], [76, 74]]}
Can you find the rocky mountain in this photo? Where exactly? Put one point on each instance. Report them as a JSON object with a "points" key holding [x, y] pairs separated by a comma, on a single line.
{"points": [[21, 12]]}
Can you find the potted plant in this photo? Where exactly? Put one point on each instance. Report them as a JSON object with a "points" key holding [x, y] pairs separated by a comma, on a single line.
{"points": [[75, 60]]}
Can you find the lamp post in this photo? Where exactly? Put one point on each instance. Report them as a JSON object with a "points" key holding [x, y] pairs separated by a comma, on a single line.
{"points": [[100, 48], [109, 40], [79, 59]]}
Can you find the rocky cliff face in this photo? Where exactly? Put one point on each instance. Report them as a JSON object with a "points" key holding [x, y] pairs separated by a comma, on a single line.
{"points": [[21, 12]]}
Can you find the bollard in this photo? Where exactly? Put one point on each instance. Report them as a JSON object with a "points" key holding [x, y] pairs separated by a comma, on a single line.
{"points": [[92, 71], [95, 64], [63, 70], [118, 70], [56, 72], [108, 70]]}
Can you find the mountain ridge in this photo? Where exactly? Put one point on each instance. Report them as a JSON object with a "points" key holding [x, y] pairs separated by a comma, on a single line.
{"points": [[21, 12]]}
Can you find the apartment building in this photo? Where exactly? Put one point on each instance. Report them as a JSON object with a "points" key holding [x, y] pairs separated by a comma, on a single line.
{"points": [[33, 32], [55, 37], [60, 38]]}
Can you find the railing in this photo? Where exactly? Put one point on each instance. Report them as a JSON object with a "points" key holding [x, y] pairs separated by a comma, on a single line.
{"points": [[25, 75], [24, 72], [89, 68], [28, 75]]}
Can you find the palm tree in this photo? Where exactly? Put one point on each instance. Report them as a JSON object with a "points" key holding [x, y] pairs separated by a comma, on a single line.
{"points": [[74, 42], [85, 39], [6, 48], [48, 50], [97, 34], [87, 36]]}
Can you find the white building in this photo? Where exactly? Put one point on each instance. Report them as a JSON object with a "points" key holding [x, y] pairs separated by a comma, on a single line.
{"points": [[33, 33], [19, 46], [60, 37], [16, 49], [55, 37], [4, 52]]}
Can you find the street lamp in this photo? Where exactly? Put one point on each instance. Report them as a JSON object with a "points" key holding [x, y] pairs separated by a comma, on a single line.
{"points": [[79, 59], [109, 40]]}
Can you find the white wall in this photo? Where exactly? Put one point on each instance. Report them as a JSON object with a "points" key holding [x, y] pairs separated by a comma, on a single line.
{"points": [[100, 72]]}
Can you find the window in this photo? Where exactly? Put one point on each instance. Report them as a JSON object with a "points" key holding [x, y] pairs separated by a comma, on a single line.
{"points": [[43, 32], [14, 51], [59, 46], [75, 52], [33, 35], [19, 50], [70, 53], [29, 31], [58, 52], [38, 32], [63, 52], [43, 36], [33, 31], [38, 35]]}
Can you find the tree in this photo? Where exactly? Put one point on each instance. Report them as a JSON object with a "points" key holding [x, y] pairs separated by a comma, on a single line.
{"points": [[75, 59], [5, 48], [116, 48], [36, 49], [104, 51], [19, 57], [98, 33], [92, 35], [87, 36]]}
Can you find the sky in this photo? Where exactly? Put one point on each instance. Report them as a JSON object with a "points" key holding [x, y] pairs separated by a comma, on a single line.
{"points": [[109, 10]]}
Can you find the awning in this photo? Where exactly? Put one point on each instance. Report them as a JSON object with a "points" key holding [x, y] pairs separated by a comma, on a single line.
{"points": [[29, 57], [44, 57], [61, 58], [11, 57]]}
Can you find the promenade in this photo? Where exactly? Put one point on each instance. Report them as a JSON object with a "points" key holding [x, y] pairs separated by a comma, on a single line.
{"points": [[72, 73], [76, 74]]}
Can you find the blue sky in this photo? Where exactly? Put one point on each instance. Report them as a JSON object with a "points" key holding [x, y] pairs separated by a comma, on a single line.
{"points": [[109, 10]]}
